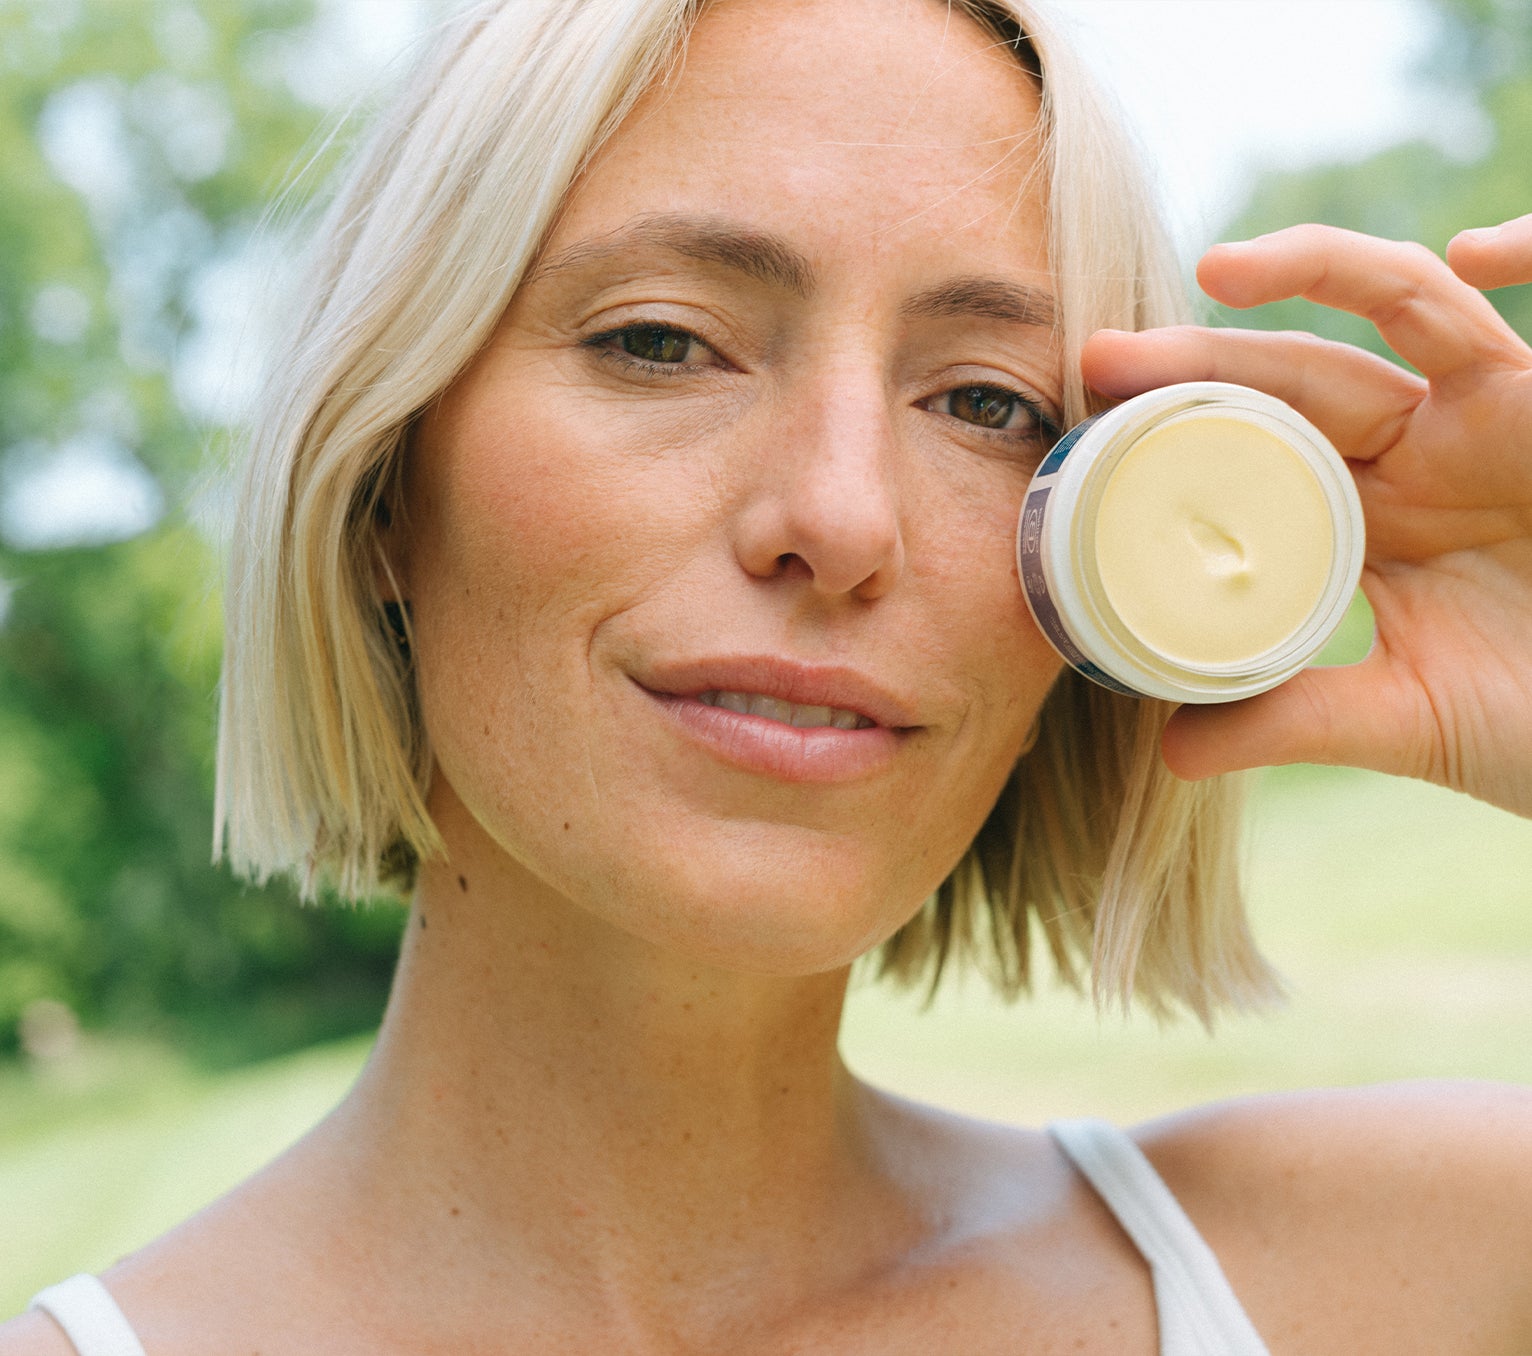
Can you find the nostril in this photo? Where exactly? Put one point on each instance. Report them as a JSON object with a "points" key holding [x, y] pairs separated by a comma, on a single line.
{"points": [[829, 520]]}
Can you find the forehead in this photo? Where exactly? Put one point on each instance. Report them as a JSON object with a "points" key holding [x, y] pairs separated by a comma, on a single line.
{"points": [[876, 124]]}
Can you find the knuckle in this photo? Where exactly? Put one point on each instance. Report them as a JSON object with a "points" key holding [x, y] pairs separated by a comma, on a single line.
{"points": [[1419, 256], [1315, 233]]}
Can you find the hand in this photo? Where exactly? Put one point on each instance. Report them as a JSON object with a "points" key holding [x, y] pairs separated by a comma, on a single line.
{"points": [[1443, 464]]}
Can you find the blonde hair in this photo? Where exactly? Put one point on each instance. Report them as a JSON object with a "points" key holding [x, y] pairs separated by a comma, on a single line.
{"points": [[323, 765]]}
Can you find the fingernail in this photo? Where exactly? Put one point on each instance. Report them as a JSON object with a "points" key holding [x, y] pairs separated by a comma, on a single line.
{"points": [[1483, 234]]}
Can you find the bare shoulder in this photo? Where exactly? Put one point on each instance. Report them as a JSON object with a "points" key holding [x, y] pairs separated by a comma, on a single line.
{"points": [[1405, 1138], [33, 1334], [1396, 1217]]}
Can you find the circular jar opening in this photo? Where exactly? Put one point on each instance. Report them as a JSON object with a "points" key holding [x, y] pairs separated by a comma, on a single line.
{"points": [[1198, 543]]}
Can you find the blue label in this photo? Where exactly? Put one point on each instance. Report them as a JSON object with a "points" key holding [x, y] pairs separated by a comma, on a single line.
{"points": [[1064, 446]]}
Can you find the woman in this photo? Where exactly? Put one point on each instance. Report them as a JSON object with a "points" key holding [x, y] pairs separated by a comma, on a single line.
{"points": [[629, 563]]}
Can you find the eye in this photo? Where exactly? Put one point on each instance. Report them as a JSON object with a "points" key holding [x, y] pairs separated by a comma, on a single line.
{"points": [[994, 408], [654, 345], [986, 406]]}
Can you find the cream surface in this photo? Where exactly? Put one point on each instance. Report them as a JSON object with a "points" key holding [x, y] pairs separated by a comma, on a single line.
{"points": [[1213, 539]]}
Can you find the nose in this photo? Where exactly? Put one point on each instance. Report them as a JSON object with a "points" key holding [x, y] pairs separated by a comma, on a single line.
{"points": [[824, 505]]}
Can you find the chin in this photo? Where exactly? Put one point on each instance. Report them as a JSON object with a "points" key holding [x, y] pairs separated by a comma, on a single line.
{"points": [[739, 893], [766, 912], [769, 942]]}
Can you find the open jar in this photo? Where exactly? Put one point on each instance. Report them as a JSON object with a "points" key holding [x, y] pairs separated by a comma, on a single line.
{"points": [[1198, 543]]}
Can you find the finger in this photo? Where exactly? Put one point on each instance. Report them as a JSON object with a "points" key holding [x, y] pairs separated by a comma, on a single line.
{"points": [[1493, 256], [1424, 312], [1323, 715], [1357, 398]]}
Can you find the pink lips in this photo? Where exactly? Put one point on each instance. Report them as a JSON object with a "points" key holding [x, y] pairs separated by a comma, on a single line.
{"points": [[762, 744]]}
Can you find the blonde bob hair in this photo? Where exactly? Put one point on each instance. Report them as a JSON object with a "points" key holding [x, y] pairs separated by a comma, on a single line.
{"points": [[323, 763]]}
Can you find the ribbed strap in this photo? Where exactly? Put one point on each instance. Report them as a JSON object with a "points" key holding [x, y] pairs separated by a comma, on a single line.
{"points": [[89, 1316], [1198, 1312]]}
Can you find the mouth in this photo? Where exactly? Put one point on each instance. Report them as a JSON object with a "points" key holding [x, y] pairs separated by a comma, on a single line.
{"points": [[791, 692], [783, 719], [787, 713]]}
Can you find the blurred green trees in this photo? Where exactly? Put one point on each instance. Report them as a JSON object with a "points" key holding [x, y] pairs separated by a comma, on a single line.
{"points": [[1422, 190], [139, 143]]}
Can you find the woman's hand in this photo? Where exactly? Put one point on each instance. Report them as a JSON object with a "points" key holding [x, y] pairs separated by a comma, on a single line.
{"points": [[1443, 464]]}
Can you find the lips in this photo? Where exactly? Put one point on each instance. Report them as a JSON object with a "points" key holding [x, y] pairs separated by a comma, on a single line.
{"points": [[762, 681], [781, 719], [774, 708]]}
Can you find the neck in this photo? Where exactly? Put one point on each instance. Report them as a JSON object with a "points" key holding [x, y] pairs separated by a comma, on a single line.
{"points": [[560, 1098]]}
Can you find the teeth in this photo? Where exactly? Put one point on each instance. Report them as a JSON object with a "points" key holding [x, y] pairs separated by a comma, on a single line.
{"points": [[807, 717], [773, 708]]}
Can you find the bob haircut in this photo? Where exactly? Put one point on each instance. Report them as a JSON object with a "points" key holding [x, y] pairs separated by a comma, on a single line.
{"points": [[323, 765]]}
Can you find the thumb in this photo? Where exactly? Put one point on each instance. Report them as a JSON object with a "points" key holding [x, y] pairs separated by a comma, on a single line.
{"points": [[1322, 715], [1493, 256]]}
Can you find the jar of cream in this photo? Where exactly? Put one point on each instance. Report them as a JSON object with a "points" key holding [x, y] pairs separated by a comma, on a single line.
{"points": [[1198, 543]]}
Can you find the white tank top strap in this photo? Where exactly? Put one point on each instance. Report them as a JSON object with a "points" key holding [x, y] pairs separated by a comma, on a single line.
{"points": [[1199, 1314], [89, 1316]]}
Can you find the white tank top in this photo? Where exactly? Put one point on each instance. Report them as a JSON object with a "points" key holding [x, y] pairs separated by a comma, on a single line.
{"points": [[89, 1316], [1198, 1313]]}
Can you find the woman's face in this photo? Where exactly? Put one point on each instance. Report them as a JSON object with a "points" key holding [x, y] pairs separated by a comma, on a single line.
{"points": [[710, 551]]}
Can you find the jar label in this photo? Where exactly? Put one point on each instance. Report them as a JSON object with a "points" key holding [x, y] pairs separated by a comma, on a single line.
{"points": [[1062, 448], [1035, 586]]}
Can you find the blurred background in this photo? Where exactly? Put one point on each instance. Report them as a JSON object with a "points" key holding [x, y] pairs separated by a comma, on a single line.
{"points": [[164, 1029]]}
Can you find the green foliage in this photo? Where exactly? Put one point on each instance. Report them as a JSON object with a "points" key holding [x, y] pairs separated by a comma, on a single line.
{"points": [[139, 143], [1419, 191]]}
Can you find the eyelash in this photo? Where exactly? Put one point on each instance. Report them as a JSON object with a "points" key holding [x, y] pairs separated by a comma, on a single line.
{"points": [[1038, 423], [604, 343]]}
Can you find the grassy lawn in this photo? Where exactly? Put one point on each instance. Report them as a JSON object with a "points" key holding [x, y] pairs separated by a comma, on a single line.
{"points": [[135, 1141], [1401, 916]]}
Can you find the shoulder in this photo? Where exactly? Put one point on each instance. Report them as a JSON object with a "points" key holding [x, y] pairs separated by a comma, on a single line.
{"points": [[1404, 1138], [1395, 1217], [33, 1334], [1423, 1148]]}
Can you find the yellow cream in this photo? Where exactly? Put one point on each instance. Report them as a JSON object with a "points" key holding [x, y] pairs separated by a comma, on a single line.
{"points": [[1213, 539]]}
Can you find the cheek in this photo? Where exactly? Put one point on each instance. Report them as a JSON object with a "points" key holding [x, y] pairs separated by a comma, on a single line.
{"points": [[967, 560], [531, 523], [522, 545], [978, 629]]}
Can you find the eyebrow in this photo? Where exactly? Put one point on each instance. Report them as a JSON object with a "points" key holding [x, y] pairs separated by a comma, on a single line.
{"points": [[709, 240], [983, 299], [769, 259]]}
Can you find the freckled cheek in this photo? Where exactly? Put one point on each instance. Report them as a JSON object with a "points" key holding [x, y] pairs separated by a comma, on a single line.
{"points": [[530, 542], [1013, 670], [527, 546], [559, 516], [989, 634]]}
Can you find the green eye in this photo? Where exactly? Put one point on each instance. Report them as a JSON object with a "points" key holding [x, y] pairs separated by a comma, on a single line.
{"points": [[655, 343], [986, 406]]}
